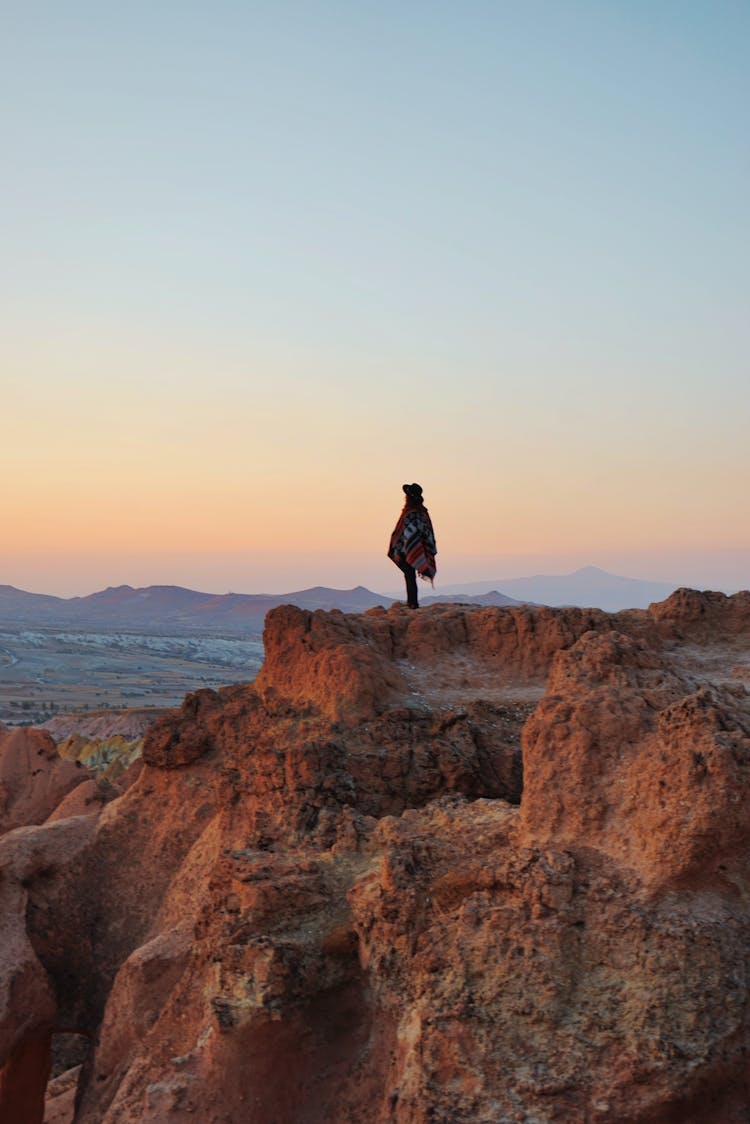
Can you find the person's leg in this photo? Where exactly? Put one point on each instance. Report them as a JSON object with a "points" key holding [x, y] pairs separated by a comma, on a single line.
{"points": [[412, 598]]}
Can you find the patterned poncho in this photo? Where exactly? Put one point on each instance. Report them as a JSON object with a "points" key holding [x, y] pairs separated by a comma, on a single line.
{"points": [[413, 542]]}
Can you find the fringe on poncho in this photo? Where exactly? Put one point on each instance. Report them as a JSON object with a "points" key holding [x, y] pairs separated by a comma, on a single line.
{"points": [[413, 542]]}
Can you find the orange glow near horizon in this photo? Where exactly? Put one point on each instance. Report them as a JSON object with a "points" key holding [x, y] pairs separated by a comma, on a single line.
{"points": [[191, 452]]}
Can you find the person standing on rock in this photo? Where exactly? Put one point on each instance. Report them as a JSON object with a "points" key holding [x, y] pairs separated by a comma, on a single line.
{"points": [[412, 545]]}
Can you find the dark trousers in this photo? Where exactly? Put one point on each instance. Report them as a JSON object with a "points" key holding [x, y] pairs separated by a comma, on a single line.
{"points": [[412, 600]]}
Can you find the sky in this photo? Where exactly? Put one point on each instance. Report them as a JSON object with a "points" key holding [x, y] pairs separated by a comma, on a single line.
{"points": [[265, 262]]}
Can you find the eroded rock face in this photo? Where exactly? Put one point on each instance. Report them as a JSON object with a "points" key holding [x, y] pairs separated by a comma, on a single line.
{"points": [[109, 758], [354, 667], [130, 725], [33, 777], [321, 900], [706, 615], [648, 766], [35, 862], [178, 739]]}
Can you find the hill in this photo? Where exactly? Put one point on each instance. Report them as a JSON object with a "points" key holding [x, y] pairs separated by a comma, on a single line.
{"points": [[589, 587], [493, 597], [170, 608]]}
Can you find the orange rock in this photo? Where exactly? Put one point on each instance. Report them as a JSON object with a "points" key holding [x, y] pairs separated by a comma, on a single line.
{"points": [[173, 741], [84, 799], [35, 863], [625, 755], [690, 614], [320, 899], [33, 777]]}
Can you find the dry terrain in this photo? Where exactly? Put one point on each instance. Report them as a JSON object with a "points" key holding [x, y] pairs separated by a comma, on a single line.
{"points": [[49, 671], [462, 866]]}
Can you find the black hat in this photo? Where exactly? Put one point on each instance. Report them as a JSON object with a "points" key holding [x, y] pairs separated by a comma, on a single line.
{"points": [[413, 491]]}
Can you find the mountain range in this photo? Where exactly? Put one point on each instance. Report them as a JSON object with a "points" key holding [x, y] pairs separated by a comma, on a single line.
{"points": [[589, 587], [170, 608], [165, 608]]}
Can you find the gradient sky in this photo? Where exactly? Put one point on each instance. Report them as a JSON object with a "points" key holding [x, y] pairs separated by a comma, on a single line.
{"points": [[264, 262]]}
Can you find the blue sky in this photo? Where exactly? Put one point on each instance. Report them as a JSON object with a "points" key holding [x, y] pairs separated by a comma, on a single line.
{"points": [[501, 247]]}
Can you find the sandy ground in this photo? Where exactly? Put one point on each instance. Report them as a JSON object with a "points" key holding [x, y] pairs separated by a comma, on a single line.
{"points": [[717, 663], [458, 679]]}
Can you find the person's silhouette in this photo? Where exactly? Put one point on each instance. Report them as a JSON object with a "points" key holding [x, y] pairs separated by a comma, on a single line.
{"points": [[412, 546]]}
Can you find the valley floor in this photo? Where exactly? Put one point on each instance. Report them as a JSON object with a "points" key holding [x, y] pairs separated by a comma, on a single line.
{"points": [[48, 671]]}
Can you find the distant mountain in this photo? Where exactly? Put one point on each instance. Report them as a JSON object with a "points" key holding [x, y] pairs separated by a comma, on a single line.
{"points": [[167, 597], [18, 606], [589, 587], [491, 598], [165, 608], [355, 600], [10, 596]]}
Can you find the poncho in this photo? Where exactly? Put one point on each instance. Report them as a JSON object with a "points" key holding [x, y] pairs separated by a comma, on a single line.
{"points": [[413, 542]]}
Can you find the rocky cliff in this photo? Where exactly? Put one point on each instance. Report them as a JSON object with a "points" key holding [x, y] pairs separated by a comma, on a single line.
{"points": [[469, 864]]}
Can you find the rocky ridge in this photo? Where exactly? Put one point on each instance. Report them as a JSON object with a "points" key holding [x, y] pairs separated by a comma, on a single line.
{"points": [[470, 864], [130, 725]]}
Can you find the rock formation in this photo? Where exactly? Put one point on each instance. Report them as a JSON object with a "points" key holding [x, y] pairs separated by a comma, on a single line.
{"points": [[33, 777], [102, 724], [342, 894], [108, 742], [109, 758]]}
